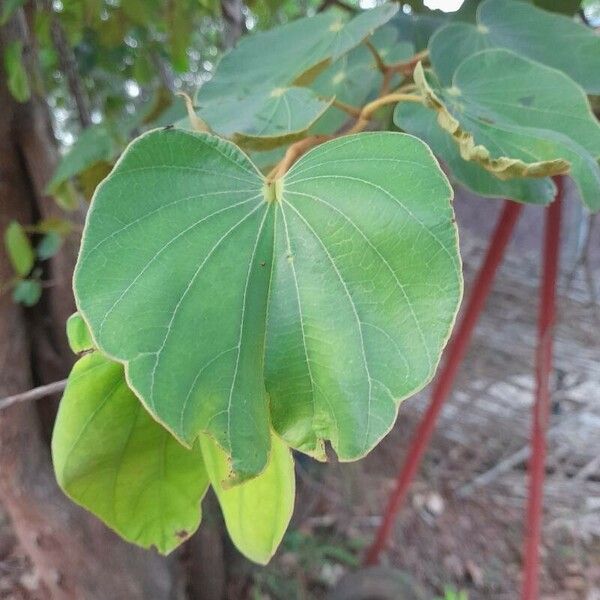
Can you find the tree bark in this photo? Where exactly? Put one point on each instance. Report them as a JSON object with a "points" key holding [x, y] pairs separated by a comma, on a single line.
{"points": [[75, 555]]}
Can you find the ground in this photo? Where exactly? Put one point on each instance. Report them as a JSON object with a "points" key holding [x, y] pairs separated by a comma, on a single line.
{"points": [[463, 524]]}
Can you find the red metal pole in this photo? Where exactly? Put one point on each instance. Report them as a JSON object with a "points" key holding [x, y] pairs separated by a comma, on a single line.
{"points": [[454, 356], [541, 408]]}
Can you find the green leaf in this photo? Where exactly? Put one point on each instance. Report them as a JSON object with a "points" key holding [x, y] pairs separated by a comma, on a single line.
{"points": [[27, 292], [518, 118], [258, 511], [18, 247], [354, 78], [528, 31], [452, 44], [354, 252], [78, 334], [8, 8], [49, 245], [537, 34], [416, 28], [281, 55], [421, 121], [266, 118], [94, 144], [113, 459], [17, 79], [245, 95]]}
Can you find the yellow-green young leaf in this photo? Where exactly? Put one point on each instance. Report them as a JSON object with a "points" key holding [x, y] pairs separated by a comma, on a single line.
{"points": [[17, 79], [78, 334], [257, 512], [113, 459], [19, 249], [312, 305]]}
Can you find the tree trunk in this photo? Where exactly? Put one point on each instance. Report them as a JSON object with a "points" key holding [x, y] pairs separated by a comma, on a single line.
{"points": [[76, 556]]}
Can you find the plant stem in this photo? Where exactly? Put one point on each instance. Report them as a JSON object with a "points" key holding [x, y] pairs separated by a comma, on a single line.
{"points": [[370, 108], [197, 123], [294, 152], [378, 58], [353, 111], [406, 67], [34, 394]]}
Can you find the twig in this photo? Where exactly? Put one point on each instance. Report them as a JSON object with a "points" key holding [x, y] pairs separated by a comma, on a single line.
{"points": [[369, 109], [34, 394], [510, 462], [406, 67], [378, 58], [353, 111]]}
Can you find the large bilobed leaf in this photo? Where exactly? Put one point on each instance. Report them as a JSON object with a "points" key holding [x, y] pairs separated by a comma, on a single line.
{"points": [[252, 91], [256, 512], [354, 251], [113, 459], [518, 118], [548, 38]]}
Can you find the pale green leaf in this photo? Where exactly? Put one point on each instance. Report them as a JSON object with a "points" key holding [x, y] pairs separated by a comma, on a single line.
{"points": [[27, 292], [112, 458], [253, 88], [256, 512], [18, 248], [78, 334], [279, 56], [516, 117], [452, 44], [17, 79], [417, 28], [421, 121], [266, 118], [354, 252], [49, 245], [551, 39]]}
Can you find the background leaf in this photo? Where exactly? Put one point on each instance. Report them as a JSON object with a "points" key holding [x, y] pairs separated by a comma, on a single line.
{"points": [[19, 249], [27, 292], [17, 79]]}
